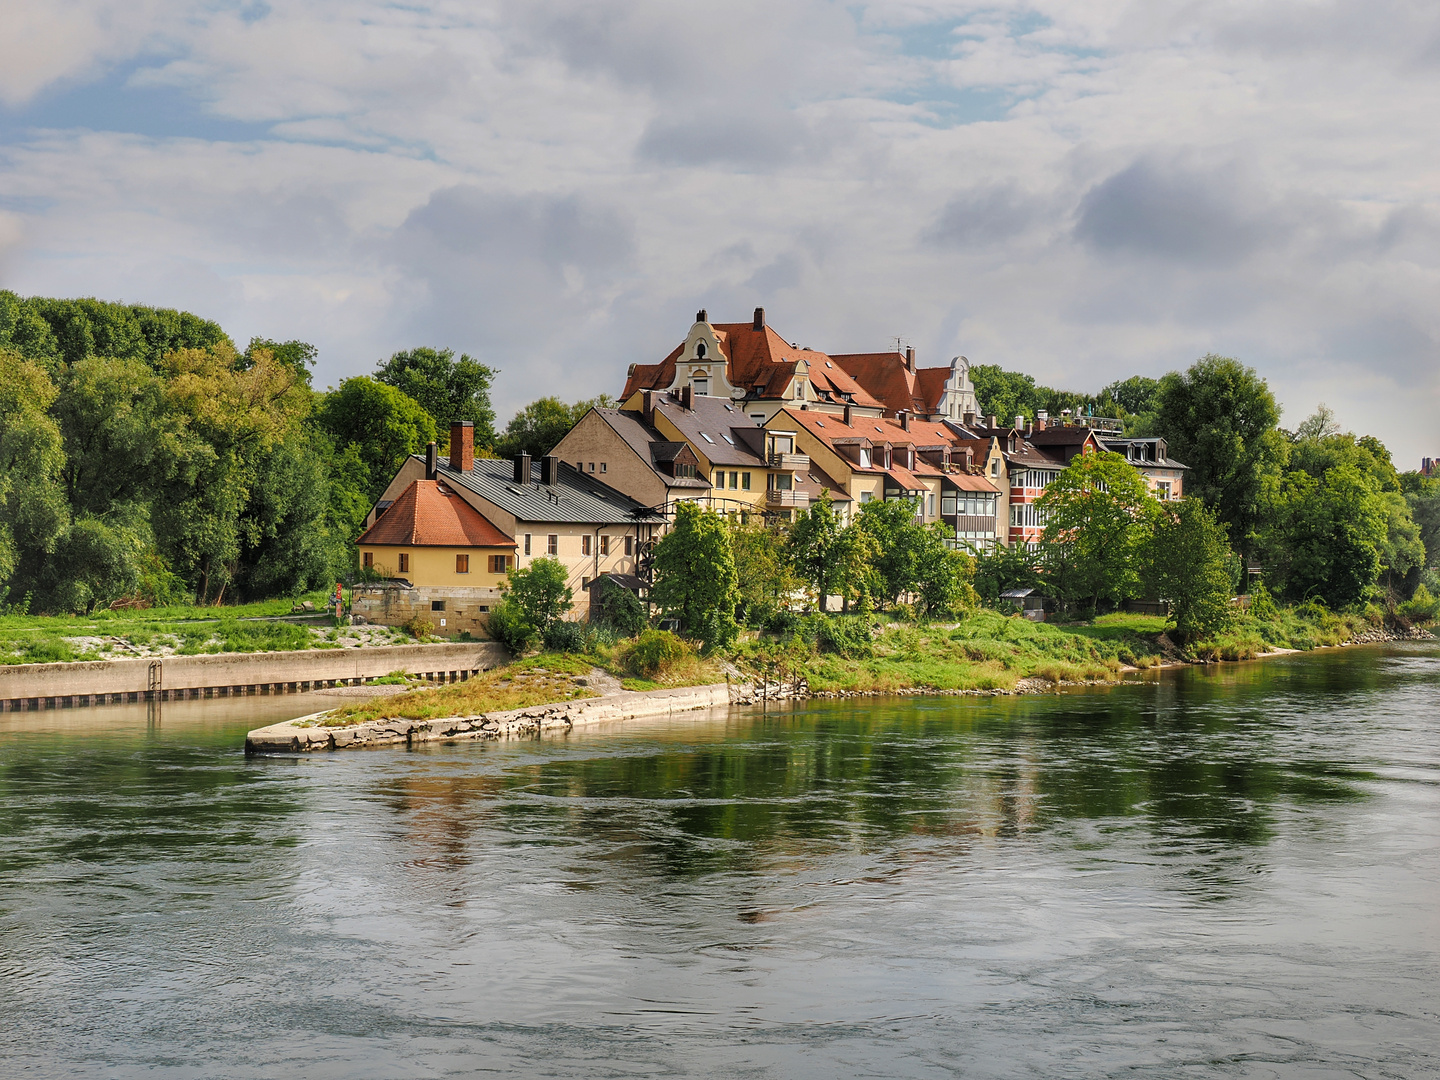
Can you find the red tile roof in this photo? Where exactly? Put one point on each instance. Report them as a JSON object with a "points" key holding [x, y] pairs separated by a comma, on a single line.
{"points": [[831, 429], [762, 362], [885, 377], [428, 514]]}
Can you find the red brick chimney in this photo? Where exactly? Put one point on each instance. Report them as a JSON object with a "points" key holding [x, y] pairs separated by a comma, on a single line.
{"points": [[904, 416], [685, 396], [910, 359], [462, 445], [759, 319]]}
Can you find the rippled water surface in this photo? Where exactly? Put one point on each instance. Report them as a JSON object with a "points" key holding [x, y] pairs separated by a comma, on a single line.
{"points": [[1232, 871]]}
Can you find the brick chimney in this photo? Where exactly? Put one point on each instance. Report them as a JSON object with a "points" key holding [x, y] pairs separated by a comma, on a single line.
{"points": [[969, 419], [759, 319], [904, 418], [701, 316], [992, 421], [647, 405], [685, 396], [1041, 419], [910, 359], [462, 445], [432, 462], [847, 416]]}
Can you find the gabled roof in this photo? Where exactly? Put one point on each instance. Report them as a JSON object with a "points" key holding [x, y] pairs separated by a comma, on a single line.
{"points": [[652, 447], [573, 499], [710, 425], [886, 376], [428, 514], [762, 363]]}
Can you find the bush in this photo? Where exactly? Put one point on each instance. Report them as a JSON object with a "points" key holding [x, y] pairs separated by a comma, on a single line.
{"points": [[568, 637], [845, 636], [617, 608], [1422, 607], [655, 651], [1262, 605], [782, 623], [508, 626], [417, 626]]}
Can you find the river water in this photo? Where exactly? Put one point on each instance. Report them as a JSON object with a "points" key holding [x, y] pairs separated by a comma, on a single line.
{"points": [[1228, 871]]}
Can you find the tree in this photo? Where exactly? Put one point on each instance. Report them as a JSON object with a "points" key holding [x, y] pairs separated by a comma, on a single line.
{"points": [[33, 511], [298, 356], [386, 426], [1098, 515], [1191, 566], [695, 578], [1220, 419], [447, 388], [537, 428], [817, 547], [763, 574], [539, 593], [944, 576], [615, 606], [1328, 535], [1423, 495], [1003, 568], [897, 543]]}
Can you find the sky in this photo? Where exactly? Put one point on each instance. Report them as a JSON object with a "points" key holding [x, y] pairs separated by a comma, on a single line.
{"points": [[1080, 190]]}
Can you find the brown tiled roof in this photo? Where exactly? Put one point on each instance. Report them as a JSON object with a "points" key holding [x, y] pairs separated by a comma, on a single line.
{"points": [[427, 514], [763, 363], [885, 377]]}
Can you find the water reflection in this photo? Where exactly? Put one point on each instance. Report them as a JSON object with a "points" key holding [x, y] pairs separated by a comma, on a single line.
{"points": [[1217, 868]]}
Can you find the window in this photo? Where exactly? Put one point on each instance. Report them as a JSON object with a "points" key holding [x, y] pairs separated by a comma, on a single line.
{"points": [[947, 505], [759, 418], [604, 545], [552, 544], [719, 478], [527, 543], [404, 562], [629, 545], [932, 505], [592, 466], [745, 481], [368, 560], [602, 466], [734, 480], [437, 605], [585, 544], [707, 438], [864, 457], [499, 563], [867, 496], [579, 466], [1162, 489], [700, 386], [462, 564]]}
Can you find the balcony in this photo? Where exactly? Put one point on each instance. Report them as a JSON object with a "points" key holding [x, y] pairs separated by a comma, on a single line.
{"points": [[789, 461], [787, 498]]}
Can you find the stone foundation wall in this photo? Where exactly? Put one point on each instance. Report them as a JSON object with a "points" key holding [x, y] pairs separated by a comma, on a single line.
{"points": [[396, 605]]}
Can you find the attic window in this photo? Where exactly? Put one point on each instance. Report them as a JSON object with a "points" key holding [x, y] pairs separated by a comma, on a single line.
{"points": [[699, 350], [727, 438], [880, 429], [706, 437], [819, 423], [443, 490], [828, 364]]}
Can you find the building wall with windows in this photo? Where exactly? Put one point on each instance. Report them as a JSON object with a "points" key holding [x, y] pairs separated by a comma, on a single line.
{"points": [[434, 566]]}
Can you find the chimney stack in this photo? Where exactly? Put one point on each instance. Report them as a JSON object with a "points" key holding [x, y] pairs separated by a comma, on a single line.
{"points": [[910, 358], [969, 419], [462, 445], [904, 417], [685, 396], [759, 318], [1041, 419], [1019, 422], [432, 462], [992, 421], [549, 469], [847, 416], [700, 316], [522, 469], [647, 405]]}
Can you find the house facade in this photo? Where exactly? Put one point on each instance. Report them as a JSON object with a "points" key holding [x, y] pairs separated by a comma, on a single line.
{"points": [[546, 508], [893, 379]]}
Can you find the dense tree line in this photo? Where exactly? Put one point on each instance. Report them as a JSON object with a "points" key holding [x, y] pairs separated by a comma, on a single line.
{"points": [[143, 456]]}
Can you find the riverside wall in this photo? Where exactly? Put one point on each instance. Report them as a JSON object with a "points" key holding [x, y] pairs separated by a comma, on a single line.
{"points": [[32, 686]]}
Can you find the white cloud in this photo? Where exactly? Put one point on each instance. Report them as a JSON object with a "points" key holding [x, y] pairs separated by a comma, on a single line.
{"points": [[1083, 190]]}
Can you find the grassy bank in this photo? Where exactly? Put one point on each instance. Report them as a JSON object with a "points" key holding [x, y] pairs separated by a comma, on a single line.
{"points": [[184, 631]]}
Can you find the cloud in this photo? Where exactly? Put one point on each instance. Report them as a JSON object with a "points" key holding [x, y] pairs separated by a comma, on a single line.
{"points": [[987, 215]]}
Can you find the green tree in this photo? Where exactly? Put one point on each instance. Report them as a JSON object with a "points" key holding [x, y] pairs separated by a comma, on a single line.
{"points": [[537, 428], [540, 593], [1098, 515], [695, 578], [33, 511], [897, 541], [763, 574], [1191, 565], [817, 548], [1002, 568], [1423, 495], [383, 423], [944, 576], [298, 356], [1220, 419], [1328, 535], [447, 388]]}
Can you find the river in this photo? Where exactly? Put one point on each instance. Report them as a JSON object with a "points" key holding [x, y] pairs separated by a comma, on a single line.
{"points": [[1221, 871]]}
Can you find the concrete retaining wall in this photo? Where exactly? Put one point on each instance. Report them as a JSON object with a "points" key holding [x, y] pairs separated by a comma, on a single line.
{"points": [[93, 682]]}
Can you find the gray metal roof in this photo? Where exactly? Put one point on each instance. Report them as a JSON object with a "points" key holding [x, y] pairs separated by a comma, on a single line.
{"points": [[576, 499], [710, 424]]}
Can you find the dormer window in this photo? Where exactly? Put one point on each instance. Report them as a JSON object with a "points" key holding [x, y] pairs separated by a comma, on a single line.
{"points": [[864, 457], [799, 390]]}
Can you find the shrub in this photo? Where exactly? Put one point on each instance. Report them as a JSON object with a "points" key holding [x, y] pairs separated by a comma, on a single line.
{"points": [[618, 608], [655, 651], [782, 623], [1422, 607], [1262, 605], [568, 637], [417, 626], [846, 636], [508, 626]]}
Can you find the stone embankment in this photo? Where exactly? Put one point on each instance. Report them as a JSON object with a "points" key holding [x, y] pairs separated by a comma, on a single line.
{"points": [[1373, 637], [309, 733]]}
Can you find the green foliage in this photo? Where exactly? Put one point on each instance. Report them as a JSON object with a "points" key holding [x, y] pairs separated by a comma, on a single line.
{"points": [[943, 576], [1219, 418], [298, 356], [1098, 517], [763, 574], [535, 429], [1327, 536], [540, 593], [617, 608], [33, 511], [1422, 607], [565, 637], [448, 389], [1191, 566], [655, 652], [509, 626], [50, 332], [1262, 604], [384, 424], [820, 549], [695, 579], [1000, 569], [1422, 493], [841, 635]]}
